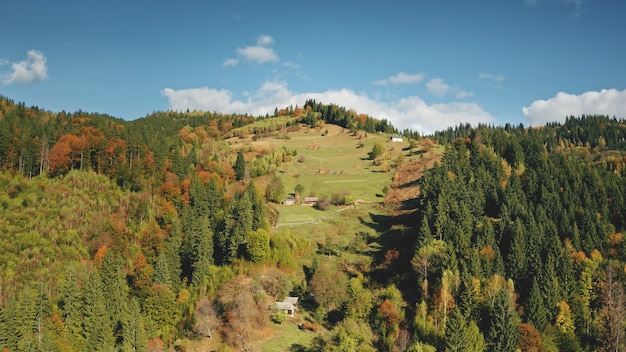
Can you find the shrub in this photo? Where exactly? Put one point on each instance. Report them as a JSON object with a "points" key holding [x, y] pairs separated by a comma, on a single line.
{"points": [[279, 316]]}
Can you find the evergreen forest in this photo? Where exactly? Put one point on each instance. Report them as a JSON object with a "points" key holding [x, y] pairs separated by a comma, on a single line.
{"points": [[162, 234]]}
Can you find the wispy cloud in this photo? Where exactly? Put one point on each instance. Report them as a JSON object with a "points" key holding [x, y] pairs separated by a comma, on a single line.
{"points": [[577, 4], [230, 62], [401, 78], [405, 113], [264, 40], [491, 77], [437, 87], [260, 53], [609, 102], [30, 70], [4, 62], [290, 64]]}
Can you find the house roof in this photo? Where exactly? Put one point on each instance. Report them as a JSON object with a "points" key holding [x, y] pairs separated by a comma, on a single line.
{"points": [[310, 199], [292, 300], [283, 306]]}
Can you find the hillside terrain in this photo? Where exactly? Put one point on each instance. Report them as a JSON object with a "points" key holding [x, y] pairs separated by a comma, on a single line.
{"points": [[180, 231]]}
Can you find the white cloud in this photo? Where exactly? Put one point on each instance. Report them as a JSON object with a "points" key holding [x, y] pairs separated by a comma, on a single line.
{"points": [[30, 70], [290, 64], [491, 77], [261, 52], [230, 62], [610, 102], [258, 54], [437, 87], [264, 40], [402, 78], [4, 62], [411, 112], [461, 94]]}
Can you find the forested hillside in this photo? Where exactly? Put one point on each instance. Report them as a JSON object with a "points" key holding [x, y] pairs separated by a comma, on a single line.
{"points": [[155, 235]]}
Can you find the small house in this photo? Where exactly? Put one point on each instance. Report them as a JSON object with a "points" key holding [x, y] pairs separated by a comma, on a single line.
{"points": [[310, 201], [289, 305], [289, 200], [396, 139]]}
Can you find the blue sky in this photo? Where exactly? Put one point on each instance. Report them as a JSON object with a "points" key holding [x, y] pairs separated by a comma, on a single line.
{"points": [[422, 64]]}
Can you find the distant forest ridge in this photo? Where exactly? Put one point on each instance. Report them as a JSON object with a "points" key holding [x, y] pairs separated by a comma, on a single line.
{"points": [[33, 140]]}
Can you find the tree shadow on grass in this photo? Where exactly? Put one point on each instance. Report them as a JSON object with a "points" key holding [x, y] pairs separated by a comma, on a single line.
{"points": [[393, 249]]}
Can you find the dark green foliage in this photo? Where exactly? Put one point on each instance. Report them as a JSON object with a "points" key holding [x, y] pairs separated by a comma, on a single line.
{"points": [[504, 325], [275, 190], [462, 335], [376, 152], [237, 224], [259, 216], [536, 313], [240, 166], [134, 336], [97, 326], [72, 309]]}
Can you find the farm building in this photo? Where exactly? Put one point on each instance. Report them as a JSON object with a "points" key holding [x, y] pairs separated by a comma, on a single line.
{"points": [[396, 138], [289, 200], [311, 201], [289, 305]]}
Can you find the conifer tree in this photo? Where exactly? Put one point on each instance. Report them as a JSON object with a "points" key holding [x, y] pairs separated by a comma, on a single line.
{"points": [[536, 313], [456, 327], [259, 217], [115, 290], [240, 166], [504, 324], [237, 225], [133, 327], [97, 327], [258, 245], [72, 309]]}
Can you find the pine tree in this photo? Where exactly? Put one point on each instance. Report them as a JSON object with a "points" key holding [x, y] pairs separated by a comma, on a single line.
{"points": [[72, 310], [536, 313], [258, 245], [240, 166], [456, 327], [518, 254], [237, 224], [259, 217], [10, 325], [134, 331], [97, 327], [115, 290], [504, 324], [168, 267]]}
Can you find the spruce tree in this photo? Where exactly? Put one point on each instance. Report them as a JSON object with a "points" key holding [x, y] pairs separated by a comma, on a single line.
{"points": [[134, 330], [536, 314], [456, 326], [259, 217], [115, 290], [97, 327], [71, 305], [240, 166], [504, 324]]}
